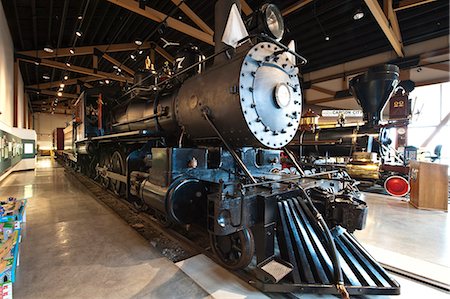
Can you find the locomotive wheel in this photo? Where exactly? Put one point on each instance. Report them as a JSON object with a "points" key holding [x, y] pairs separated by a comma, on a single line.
{"points": [[140, 205], [104, 161], [118, 166], [163, 220], [91, 169], [234, 251]]}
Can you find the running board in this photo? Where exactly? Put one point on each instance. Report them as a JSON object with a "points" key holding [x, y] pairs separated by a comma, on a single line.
{"points": [[302, 245]]}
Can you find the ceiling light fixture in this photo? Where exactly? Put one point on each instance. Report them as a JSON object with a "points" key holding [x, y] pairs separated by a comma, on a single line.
{"points": [[138, 41], [80, 17], [327, 37], [68, 64], [49, 49], [72, 51], [61, 85], [133, 56], [46, 76], [107, 81], [358, 15], [66, 77], [78, 33], [140, 52], [59, 94]]}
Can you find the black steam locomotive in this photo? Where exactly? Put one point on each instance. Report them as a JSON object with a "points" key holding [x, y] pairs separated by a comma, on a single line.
{"points": [[202, 147], [362, 150]]}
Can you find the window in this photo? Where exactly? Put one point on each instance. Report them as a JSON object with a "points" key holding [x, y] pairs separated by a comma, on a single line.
{"points": [[431, 105], [29, 148]]}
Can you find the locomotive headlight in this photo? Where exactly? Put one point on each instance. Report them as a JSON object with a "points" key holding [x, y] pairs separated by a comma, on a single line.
{"points": [[224, 218], [273, 21], [282, 95]]}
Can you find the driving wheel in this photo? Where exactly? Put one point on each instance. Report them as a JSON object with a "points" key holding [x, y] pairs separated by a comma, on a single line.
{"points": [[235, 251]]}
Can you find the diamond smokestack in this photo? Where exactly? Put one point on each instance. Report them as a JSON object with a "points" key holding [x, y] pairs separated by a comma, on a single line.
{"points": [[373, 89]]}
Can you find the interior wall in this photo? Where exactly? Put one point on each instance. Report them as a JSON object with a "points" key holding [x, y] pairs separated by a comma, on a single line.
{"points": [[7, 79], [6, 72], [20, 102], [44, 124]]}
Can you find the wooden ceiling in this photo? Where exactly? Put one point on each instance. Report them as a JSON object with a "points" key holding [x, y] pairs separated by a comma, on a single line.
{"points": [[110, 27]]}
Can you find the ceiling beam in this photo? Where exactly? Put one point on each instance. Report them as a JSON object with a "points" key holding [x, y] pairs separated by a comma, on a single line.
{"points": [[430, 49], [392, 19], [66, 82], [294, 7], [55, 112], [193, 16], [323, 90], [246, 8], [433, 81], [383, 22], [159, 17], [115, 62], [55, 93], [437, 66], [74, 68], [404, 4], [86, 50], [319, 101], [164, 53]]}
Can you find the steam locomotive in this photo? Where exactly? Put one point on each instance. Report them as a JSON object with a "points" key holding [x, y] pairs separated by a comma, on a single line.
{"points": [[202, 147], [362, 150]]}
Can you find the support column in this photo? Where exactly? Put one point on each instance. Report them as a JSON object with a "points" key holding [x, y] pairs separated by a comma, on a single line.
{"points": [[16, 94]]}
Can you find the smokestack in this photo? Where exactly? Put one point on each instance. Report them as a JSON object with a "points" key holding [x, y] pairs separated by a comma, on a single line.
{"points": [[373, 89], [221, 12]]}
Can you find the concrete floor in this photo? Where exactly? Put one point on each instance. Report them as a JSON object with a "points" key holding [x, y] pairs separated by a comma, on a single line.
{"points": [[75, 247], [397, 226]]}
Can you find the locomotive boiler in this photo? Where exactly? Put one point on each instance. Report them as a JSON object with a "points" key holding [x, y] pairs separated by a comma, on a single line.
{"points": [[201, 147]]}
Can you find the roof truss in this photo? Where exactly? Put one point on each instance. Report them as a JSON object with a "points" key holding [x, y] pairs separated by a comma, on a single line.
{"points": [[89, 50], [159, 17], [74, 68], [386, 26]]}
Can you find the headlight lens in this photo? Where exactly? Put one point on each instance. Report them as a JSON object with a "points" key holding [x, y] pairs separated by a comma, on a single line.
{"points": [[274, 21], [282, 95]]}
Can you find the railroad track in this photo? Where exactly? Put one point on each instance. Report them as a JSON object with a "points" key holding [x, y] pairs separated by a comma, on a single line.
{"points": [[171, 242], [178, 244]]}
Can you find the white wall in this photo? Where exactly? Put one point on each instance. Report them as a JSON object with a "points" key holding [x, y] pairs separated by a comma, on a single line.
{"points": [[7, 78], [20, 104], [44, 124], [6, 71]]}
